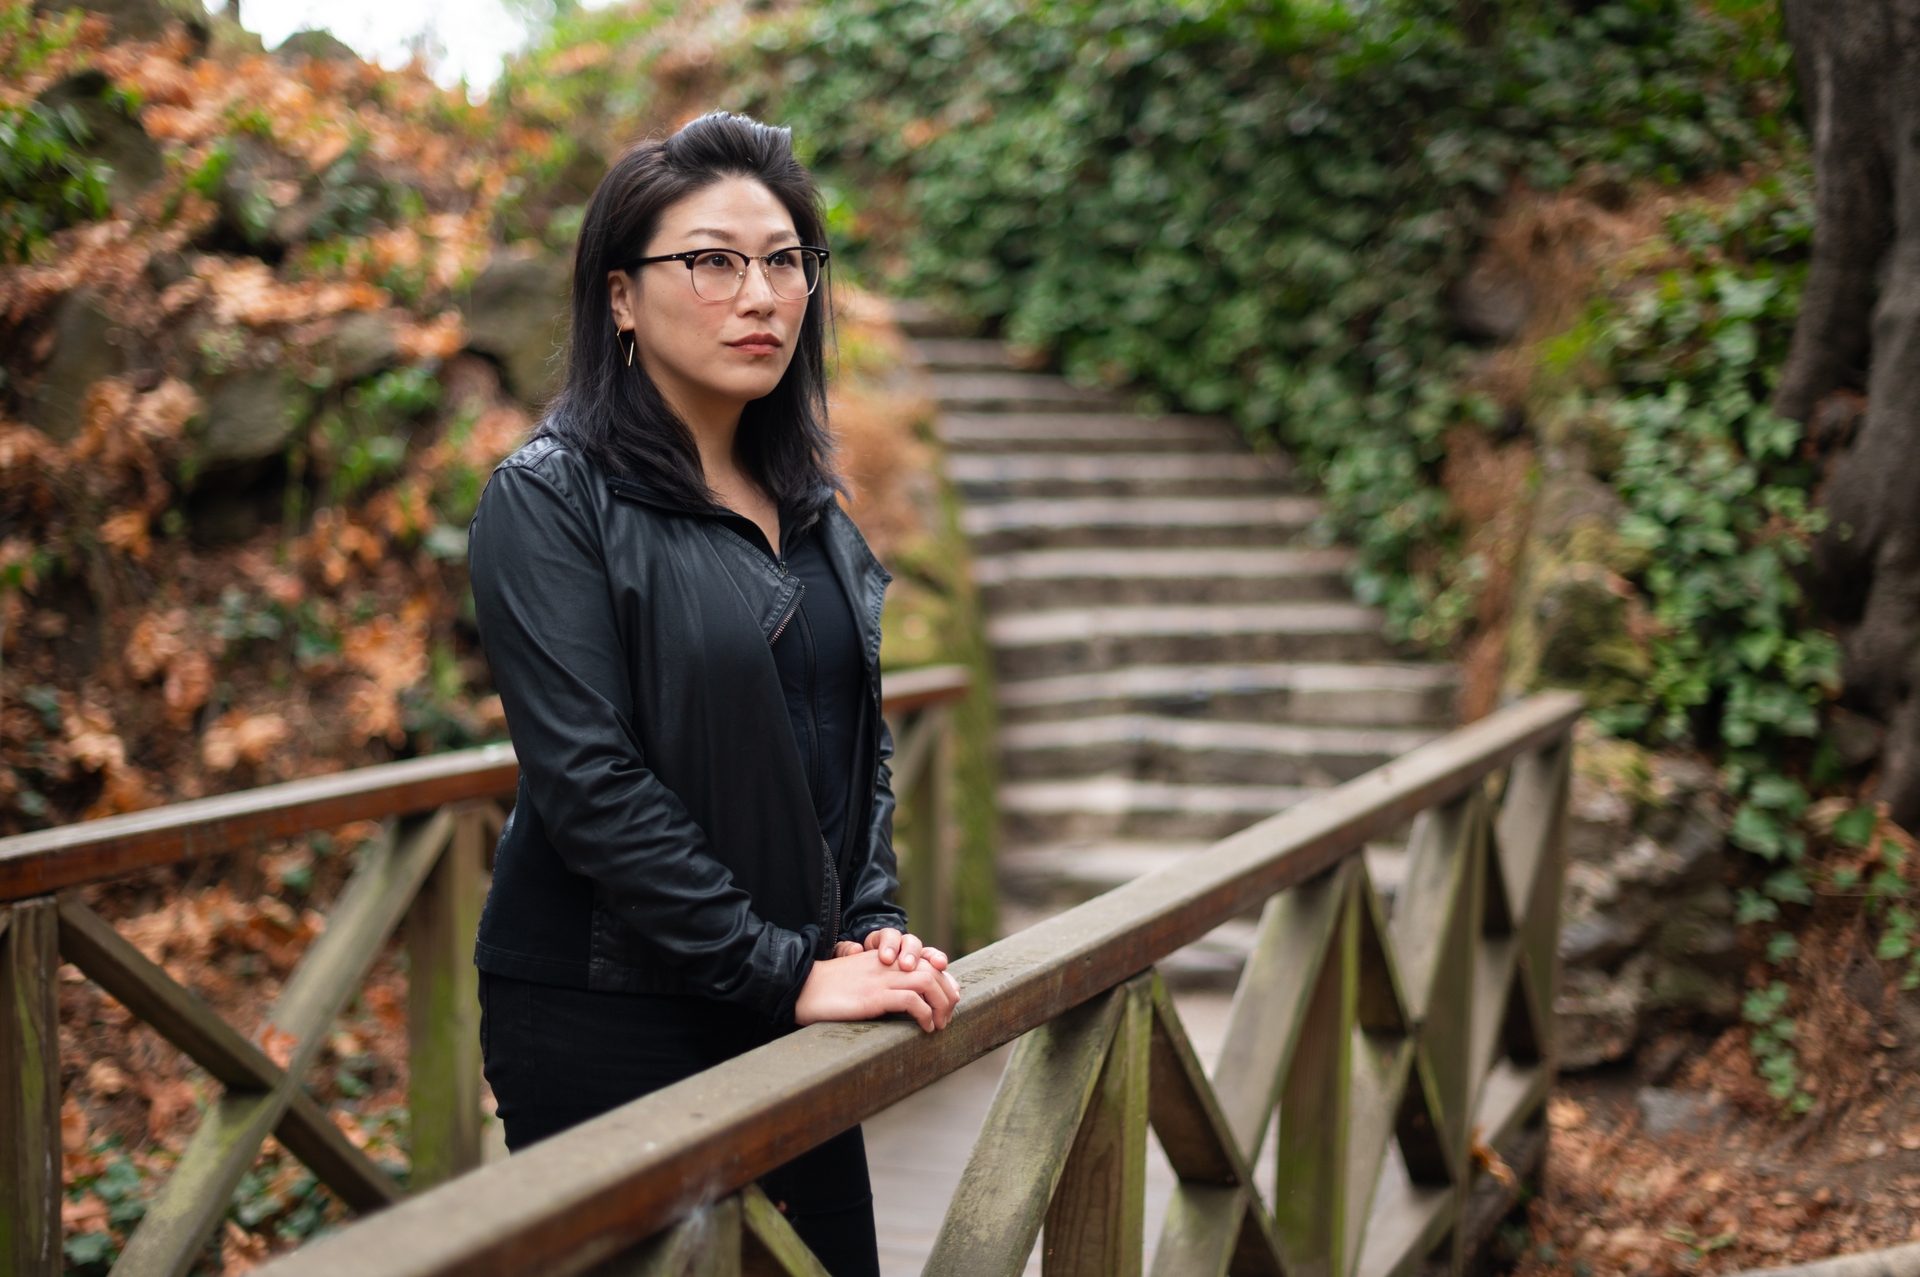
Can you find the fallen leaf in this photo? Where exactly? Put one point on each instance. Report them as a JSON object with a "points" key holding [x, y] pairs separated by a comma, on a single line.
{"points": [[103, 1078], [278, 1044], [74, 1130], [241, 1251]]}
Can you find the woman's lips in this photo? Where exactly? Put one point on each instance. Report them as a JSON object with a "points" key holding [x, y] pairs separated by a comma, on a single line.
{"points": [[757, 344]]}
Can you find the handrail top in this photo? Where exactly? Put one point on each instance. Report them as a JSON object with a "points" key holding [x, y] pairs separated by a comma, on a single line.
{"points": [[49, 860], [586, 1194]]}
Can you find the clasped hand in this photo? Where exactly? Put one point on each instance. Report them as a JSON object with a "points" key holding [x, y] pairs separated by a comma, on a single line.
{"points": [[890, 972]]}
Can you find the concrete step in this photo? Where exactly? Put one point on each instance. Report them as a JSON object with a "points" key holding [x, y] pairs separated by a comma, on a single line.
{"points": [[1067, 873], [1199, 751], [1381, 695], [1002, 476], [1085, 432], [961, 354], [1089, 577], [919, 321], [1110, 807], [1019, 392], [1084, 640], [1059, 522]]}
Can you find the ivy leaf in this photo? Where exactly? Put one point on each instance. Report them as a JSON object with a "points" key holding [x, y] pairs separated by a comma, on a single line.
{"points": [[1780, 793], [1789, 886], [1780, 946], [1758, 832], [1750, 907], [1855, 829]]}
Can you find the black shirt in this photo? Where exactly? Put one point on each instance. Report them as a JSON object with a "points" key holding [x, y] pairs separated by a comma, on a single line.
{"points": [[818, 655]]}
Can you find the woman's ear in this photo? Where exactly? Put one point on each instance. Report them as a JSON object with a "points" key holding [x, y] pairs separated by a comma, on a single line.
{"points": [[623, 296]]}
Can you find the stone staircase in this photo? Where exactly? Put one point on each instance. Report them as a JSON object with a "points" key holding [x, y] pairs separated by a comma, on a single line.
{"points": [[1177, 660]]}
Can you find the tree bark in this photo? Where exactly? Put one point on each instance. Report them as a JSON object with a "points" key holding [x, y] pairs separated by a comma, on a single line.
{"points": [[1859, 67]]}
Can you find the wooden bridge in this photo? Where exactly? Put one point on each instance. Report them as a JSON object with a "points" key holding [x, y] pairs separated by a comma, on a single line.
{"points": [[1380, 1062]]}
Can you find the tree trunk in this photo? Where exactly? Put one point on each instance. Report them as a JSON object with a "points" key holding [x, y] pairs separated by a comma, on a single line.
{"points": [[1859, 68]]}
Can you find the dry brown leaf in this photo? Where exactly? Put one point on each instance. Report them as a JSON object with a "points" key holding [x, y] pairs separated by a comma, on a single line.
{"points": [[241, 1251], [157, 638], [104, 1078], [87, 1215], [241, 737], [129, 532], [278, 1044], [189, 684], [74, 1130]]}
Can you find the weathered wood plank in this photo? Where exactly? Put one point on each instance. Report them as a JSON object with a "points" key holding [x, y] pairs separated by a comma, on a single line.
{"points": [[1312, 1135], [1199, 1144], [1380, 1067], [1095, 1223], [1203, 1224], [769, 1246], [51, 860], [106, 957], [1407, 1221], [1270, 1003], [624, 1176], [905, 690], [29, 1093], [443, 1008], [195, 1197], [1002, 1200], [1543, 783], [705, 1245], [1436, 931], [1215, 1223]]}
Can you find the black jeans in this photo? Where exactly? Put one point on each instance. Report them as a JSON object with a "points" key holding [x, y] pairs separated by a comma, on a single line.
{"points": [[557, 1057]]}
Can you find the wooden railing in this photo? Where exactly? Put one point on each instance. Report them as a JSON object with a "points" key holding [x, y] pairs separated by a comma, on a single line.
{"points": [[1381, 1060], [429, 866]]}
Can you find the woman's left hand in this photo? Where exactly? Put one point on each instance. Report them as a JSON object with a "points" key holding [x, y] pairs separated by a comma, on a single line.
{"points": [[896, 948]]}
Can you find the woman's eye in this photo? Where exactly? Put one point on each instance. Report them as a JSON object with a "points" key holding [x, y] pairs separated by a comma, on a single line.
{"points": [[780, 261], [716, 261]]}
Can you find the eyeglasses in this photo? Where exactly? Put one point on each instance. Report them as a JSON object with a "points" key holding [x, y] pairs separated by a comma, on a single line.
{"points": [[718, 273]]}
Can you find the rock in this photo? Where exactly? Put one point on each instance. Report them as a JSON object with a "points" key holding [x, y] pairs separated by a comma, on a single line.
{"points": [[114, 136], [363, 344], [1683, 986], [1597, 1016], [167, 268], [1493, 300], [1663, 1111], [84, 351], [264, 203], [250, 415], [320, 45], [516, 313], [138, 19], [1599, 939]]}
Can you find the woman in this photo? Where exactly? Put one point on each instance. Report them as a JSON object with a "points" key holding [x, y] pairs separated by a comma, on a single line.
{"points": [[684, 627]]}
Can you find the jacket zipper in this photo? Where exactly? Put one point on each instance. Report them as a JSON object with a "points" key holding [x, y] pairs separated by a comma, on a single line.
{"points": [[786, 618], [833, 882]]}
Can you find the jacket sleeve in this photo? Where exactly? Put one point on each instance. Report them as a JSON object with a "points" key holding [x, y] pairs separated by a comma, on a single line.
{"points": [[548, 627], [873, 877]]}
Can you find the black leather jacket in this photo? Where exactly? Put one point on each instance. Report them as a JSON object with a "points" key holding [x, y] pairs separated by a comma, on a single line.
{"points": [[664, 837]]}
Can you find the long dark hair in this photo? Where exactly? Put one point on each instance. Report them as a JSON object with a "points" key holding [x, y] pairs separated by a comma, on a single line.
{"points": [[611, 412]]}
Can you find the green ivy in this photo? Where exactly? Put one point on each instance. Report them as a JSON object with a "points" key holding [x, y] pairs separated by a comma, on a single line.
{"points": [[1256, 208], [46, 181], [1718, 491]]}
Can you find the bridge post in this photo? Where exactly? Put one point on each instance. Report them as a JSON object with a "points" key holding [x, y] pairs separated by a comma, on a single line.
{"points": [[443, 1007], [29, 1090]]}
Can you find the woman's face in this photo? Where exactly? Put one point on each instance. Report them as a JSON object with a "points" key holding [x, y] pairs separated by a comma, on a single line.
{"points": [[711, 355]]}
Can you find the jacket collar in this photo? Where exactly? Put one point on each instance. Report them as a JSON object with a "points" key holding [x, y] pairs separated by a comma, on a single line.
{"points": [[860, 574]]}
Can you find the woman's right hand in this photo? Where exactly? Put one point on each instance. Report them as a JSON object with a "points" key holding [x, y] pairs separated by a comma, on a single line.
{"points": [[860, 986]]}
